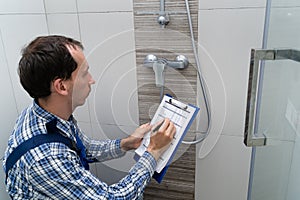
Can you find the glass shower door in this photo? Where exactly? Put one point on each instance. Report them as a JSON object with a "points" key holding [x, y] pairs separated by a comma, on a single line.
{"points": [[273, 112]]}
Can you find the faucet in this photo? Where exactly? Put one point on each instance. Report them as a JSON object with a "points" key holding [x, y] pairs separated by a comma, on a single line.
{"points": [[158, 66]]}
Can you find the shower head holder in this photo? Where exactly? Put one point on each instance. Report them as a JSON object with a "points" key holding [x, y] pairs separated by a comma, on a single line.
{"points": [[163, 20]]}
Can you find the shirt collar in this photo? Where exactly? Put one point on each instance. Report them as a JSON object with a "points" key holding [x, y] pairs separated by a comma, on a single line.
{"points": [[63, 125], [41, 112]]}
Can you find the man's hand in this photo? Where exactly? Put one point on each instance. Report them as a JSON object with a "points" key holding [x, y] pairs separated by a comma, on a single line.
{"points": [[160, 140], [135, 139]]}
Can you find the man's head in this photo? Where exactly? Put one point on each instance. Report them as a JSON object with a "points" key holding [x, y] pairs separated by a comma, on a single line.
{"points": [[44, 60], [49, 63]]}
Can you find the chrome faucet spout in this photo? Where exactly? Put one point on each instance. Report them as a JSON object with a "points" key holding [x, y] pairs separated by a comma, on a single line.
{"points": [[158, 66]]}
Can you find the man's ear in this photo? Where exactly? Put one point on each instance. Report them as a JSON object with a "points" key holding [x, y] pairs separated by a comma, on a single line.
{"points": [[60, 86]]}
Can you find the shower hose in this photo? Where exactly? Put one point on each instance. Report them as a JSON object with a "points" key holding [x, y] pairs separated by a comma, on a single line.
{"points": [[204, 134]]}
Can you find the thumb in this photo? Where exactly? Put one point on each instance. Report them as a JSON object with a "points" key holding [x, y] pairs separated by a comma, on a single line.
{"points": [[142, 130], [146, 127]]}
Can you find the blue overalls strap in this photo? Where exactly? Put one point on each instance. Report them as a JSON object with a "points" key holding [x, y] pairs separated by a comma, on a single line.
{"points": [[53, 135]]}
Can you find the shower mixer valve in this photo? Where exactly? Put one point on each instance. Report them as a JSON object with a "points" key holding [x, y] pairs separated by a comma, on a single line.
{"points": [[158, 69], [158, 66]]}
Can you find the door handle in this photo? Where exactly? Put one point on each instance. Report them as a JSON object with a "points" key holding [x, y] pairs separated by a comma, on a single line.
{"points": [[251, 137]]}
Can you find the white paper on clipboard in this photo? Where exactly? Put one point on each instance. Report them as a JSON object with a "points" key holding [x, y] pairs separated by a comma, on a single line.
{"points": [[181, 115]]}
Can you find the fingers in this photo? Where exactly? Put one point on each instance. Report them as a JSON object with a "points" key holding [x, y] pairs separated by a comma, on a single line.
{"points": [[165, 125], [147, 125], [142, 130], [146, 129], [171, 130], [168, 128]]}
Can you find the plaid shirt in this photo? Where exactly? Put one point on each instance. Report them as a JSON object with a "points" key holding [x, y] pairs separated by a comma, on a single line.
{"points": [[53, 171]]}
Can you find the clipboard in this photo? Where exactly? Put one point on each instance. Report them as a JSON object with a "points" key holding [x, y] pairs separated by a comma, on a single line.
{"points": [[182, 115]]}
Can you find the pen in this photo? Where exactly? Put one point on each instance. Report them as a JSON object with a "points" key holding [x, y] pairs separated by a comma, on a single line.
{"points": [[158, 126]]}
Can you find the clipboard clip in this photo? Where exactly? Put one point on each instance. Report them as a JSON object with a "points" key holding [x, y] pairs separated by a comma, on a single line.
{"points": [[178, 104]]}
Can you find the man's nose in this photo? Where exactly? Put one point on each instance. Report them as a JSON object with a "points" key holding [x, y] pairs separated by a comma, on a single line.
{"points": [[92, 81]]}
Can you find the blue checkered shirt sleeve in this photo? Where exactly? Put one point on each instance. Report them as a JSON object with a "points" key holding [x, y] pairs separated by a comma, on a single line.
{"points": [[60, 176], [102, 150]]}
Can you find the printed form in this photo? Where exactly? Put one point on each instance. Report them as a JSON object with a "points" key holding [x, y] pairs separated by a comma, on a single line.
{"points": [[181, 115]]}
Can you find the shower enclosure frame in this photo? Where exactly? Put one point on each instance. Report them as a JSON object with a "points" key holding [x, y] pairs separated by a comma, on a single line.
{"points": [[273, 113]]}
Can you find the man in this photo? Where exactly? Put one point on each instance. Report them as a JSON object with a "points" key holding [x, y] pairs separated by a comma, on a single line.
{"points": [[54, 71]]}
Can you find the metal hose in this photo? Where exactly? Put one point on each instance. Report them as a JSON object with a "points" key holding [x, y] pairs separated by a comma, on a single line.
{"points": [[201, 81]]}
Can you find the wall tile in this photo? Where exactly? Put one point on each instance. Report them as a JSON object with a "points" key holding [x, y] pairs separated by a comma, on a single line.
{"points": [[3, 193], [111, 56], [114, 99], [30, 26], [96, 29], [224, 57], [272, 167], [104, 6], [113, 170], [285, 3], [223, 173], [93, 168], [107, 174], [65, 24], [8, 110], [281, 20], [8, 107], [17, 6], [58, 6], [104, 131], [86, 128], [211, 4], [111, 131], [82, 113]]}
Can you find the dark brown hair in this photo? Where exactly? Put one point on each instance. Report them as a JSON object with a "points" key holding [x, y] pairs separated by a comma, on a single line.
{"points": [[45, 59]]}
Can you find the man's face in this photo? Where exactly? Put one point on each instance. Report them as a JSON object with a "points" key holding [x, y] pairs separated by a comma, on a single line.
{"points": [[81, 78]]}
